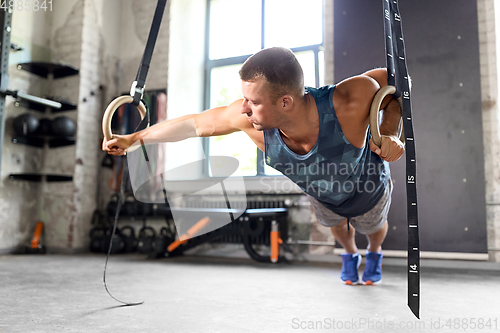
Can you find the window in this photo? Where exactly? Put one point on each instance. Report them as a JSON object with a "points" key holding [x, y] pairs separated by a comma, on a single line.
{"points": [[238, 28]]}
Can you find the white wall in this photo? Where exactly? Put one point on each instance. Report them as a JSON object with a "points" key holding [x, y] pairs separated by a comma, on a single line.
{"points": [[186, 74], [489, 52], [135, 23]]}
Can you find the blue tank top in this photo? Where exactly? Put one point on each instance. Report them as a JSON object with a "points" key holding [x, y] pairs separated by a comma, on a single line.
{"points": [[348, 180]]}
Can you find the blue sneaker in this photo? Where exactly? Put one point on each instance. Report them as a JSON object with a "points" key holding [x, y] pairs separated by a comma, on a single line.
{"points": [[373, 269], [350, 264]]}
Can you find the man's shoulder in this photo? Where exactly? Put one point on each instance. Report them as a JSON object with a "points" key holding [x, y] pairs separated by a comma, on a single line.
{"points": [[356, 88], [354, 95], [352, 100]]}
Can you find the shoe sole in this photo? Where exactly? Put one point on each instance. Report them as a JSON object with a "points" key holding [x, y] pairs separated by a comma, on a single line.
{"points": [[350, 283], [371, 283]]}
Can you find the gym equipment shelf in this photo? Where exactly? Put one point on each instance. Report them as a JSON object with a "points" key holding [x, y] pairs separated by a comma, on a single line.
{"points": [[38, 141], [44, 69], [29, 140], [61, 142], [35, 101], [49, 71], [36, 177], [65, 106]]}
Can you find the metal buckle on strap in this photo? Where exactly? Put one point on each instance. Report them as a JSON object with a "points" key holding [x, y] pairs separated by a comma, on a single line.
{"points": [[136, 92]]}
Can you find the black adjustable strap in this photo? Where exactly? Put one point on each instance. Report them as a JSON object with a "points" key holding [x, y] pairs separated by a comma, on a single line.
{"points": [[397, 72], [117, 215], [137, 89]]}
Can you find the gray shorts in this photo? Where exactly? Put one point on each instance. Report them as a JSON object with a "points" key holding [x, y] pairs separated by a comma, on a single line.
{"points": [[367, 224]]}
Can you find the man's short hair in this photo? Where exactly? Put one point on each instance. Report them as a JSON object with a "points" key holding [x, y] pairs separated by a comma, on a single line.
{"points": [[279, 67]]}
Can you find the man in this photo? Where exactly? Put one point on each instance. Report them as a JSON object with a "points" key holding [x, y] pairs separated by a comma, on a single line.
{"points": [[318, 138]]}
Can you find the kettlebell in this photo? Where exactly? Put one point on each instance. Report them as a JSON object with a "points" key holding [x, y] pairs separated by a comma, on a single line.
{"points": [[130, 205], [145, 240], [128, 236], [161, 242], [112, 204], [97, 235], [117, 243]]}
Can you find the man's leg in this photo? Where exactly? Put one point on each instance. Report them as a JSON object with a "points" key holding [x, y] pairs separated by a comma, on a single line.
{"points": [[351, 259], [373, 267], [344, 237], [338, 225], [376, 239]]}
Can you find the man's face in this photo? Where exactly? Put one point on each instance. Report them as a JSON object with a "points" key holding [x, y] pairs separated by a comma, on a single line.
{"points": [[257, 105]]}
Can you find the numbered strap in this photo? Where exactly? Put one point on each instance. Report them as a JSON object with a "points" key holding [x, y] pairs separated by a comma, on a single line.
{"points": [[397, 73], [148, 52]]}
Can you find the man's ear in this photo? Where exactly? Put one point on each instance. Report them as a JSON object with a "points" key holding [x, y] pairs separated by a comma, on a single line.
{"points": [[286, 101]]}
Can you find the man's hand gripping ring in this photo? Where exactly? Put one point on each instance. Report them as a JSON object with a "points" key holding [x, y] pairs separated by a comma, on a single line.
{"points": [[374, 110], [110, 111]]}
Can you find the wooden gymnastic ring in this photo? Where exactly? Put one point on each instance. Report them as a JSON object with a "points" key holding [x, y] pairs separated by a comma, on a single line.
{"points": [[110, 111], [374, 110]]}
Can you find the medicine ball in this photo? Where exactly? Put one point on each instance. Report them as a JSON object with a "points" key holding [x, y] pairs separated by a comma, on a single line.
{"points": [[45, 127], [63, 127], [26, 124]]}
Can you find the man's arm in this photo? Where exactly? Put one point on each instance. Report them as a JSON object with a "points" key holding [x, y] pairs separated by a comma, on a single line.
{"points": [[213, 122], [391, 117], [354, 98], [380, 75]]}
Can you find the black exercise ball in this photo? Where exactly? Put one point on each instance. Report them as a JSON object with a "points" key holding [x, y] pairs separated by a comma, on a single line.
{"points": [[63, 127], [26, 125], [45, 127]]}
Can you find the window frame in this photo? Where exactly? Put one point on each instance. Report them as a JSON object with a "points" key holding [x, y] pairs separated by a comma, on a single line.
{"points": [[239, 60]]}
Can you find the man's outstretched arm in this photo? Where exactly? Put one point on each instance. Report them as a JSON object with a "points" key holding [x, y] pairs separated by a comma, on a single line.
{"points": [[213, 122]]}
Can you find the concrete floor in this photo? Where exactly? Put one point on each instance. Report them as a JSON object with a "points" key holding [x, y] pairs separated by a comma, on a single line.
{"points": [[62, 293]]}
